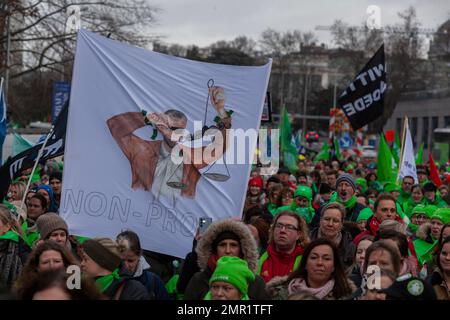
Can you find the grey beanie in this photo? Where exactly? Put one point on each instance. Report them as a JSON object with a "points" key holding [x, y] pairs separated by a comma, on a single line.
{"points": [[347, 178]]}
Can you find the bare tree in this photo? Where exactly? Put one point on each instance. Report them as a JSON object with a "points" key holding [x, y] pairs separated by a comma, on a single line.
{"points": [[281, 46], [404, 48], [40, 41]]}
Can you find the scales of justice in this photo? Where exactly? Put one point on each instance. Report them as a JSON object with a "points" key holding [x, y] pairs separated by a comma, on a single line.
{"points": [[215, 176]]}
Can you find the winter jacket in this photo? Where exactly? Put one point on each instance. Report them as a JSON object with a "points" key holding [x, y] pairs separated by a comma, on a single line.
{"points": [[346, 247], [155, 287], [13, 255], [436, 280], [274, 264], [131, 289], [198, 286], [277, 288], [438, 202], [190, 267], [356, 276]]}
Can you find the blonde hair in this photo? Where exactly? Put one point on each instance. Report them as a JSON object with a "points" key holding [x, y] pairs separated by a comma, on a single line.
{"points": [[20, 187], [7, 219]]}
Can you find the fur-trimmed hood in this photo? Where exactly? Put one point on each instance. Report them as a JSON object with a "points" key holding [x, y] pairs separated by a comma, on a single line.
{"points": [[248, 243], [424, 231], [277, 287]]}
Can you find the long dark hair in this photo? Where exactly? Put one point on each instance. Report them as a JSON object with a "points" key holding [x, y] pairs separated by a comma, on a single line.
{"points": [[29, 271], [341, 284], [438, 256]]}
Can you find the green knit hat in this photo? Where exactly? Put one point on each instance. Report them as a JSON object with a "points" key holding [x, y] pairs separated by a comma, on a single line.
{"points": [[442, 214], [235, 271], [303, 191], [390, 186], [364, 214], [418, 209], [363, 183]]}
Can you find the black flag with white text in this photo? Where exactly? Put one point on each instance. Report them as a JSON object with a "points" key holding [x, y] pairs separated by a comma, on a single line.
{"points": [[13, 167], [363, 100]]}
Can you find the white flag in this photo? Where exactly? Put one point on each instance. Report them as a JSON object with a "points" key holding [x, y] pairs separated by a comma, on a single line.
{"points": [[119, 173], [408, 162]]}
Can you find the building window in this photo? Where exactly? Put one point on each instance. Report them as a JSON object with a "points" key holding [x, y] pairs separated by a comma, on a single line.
{"points": [[425, 130], [447, 122], [434, 122]]}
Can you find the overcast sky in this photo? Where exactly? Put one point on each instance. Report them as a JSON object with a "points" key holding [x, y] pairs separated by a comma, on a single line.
{"points": [[202, 22]]}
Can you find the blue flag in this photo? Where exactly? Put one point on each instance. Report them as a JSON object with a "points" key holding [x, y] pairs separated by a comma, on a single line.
{"points": [[2, 119]]}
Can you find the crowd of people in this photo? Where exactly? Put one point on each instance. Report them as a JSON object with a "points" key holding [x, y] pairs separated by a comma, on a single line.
{"points": [[329, 231]]}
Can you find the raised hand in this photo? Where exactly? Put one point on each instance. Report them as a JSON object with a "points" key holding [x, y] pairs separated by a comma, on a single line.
{"points": [[217, 98]]}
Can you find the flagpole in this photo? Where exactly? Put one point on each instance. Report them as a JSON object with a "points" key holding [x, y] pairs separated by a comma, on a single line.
{"points": [[402, 148], [41, 150]]}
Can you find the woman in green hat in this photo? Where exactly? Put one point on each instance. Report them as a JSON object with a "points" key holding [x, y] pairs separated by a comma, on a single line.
{"points": [[301, 203], [364, 215], [230, 280]]}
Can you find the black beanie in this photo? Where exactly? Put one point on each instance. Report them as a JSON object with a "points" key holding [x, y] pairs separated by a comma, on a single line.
{"points": [[101, 255], [224, 235]]}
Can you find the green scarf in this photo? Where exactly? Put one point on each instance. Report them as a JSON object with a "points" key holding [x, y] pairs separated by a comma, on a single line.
{"points": [[29, 237], [403, 197], [272, 208], [10, 235], [104, 282], [349, 204]]}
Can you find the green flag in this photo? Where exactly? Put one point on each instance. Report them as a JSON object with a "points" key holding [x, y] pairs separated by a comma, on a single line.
{"points": [[324, 153], [419, 155], [384, 162], [288, 149], [337, 149], [20, 144]]}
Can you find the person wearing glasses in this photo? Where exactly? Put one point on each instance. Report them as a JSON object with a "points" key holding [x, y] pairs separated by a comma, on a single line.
{"points": [[151, 160], [385, 209], [287, 239]]}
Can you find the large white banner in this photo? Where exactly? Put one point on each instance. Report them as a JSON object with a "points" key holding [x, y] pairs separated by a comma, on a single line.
{"points": [[120, 171]]}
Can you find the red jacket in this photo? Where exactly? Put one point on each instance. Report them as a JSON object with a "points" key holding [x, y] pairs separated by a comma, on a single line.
{"points": [[275, 264]]}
